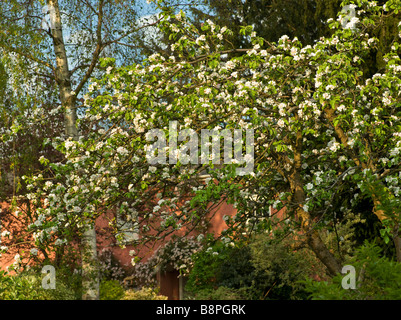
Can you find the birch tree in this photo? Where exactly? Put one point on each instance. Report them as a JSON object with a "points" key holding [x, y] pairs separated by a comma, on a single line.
{"points": [[36, 32]]}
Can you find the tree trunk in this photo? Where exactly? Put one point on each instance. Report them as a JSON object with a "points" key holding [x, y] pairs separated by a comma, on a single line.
{"points": [[313, 238], [90, 270], [323, 253], [90, 277], [298, 198]]}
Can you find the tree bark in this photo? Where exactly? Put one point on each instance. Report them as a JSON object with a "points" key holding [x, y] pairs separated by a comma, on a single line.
{"points": [[313, 238], [298, 198], [90, 276], [90, 270], [323, 253]]}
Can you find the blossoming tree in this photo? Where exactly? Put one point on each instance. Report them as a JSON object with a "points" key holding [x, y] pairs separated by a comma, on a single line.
{"points": [[50, 50], [319, 124]]}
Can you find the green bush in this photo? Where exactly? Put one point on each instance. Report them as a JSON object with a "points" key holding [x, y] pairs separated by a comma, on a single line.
{"points": [[221, 293], [281, 267], [263, 269], [238, 272], [206, 269], [143, 294], [111, 290], [377, 278], [28, 286], [20, 287]]}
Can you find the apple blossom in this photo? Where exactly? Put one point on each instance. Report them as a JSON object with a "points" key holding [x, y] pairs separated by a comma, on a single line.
{"points": [[288, 94]]}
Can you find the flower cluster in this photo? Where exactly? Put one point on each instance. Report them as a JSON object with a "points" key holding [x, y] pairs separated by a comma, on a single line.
{"points": [[175, 254]]}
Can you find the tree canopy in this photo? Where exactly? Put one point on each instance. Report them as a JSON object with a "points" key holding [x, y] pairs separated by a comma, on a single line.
{"points": [[309, 119]]}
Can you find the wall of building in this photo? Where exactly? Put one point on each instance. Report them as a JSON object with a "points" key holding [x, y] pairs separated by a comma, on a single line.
{"points": [[170, 284]]}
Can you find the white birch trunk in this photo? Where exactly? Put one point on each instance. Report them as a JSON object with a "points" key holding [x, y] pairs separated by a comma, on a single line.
{"points": [[90, 276]]}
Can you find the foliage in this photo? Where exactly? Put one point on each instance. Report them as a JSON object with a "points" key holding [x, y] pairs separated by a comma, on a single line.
{"points": [[239, 272], [221, 293], [71, 278], [28, 118], [321, 124], [340, 235], [143, 294], [265, 268], [30, 111], [304, 19], [111, 290], [28, 286], [207, 265], [20, 288], [282, 265], [377, 278]]}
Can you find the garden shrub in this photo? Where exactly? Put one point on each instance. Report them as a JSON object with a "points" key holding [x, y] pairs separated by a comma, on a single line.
{"points": [[281, 266], [238, 272], [111, 290], [377, 278], [266, 268], [221, 293], [27, 285], [20, 287], [222, 272], [143, 294], [206, 268]]}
